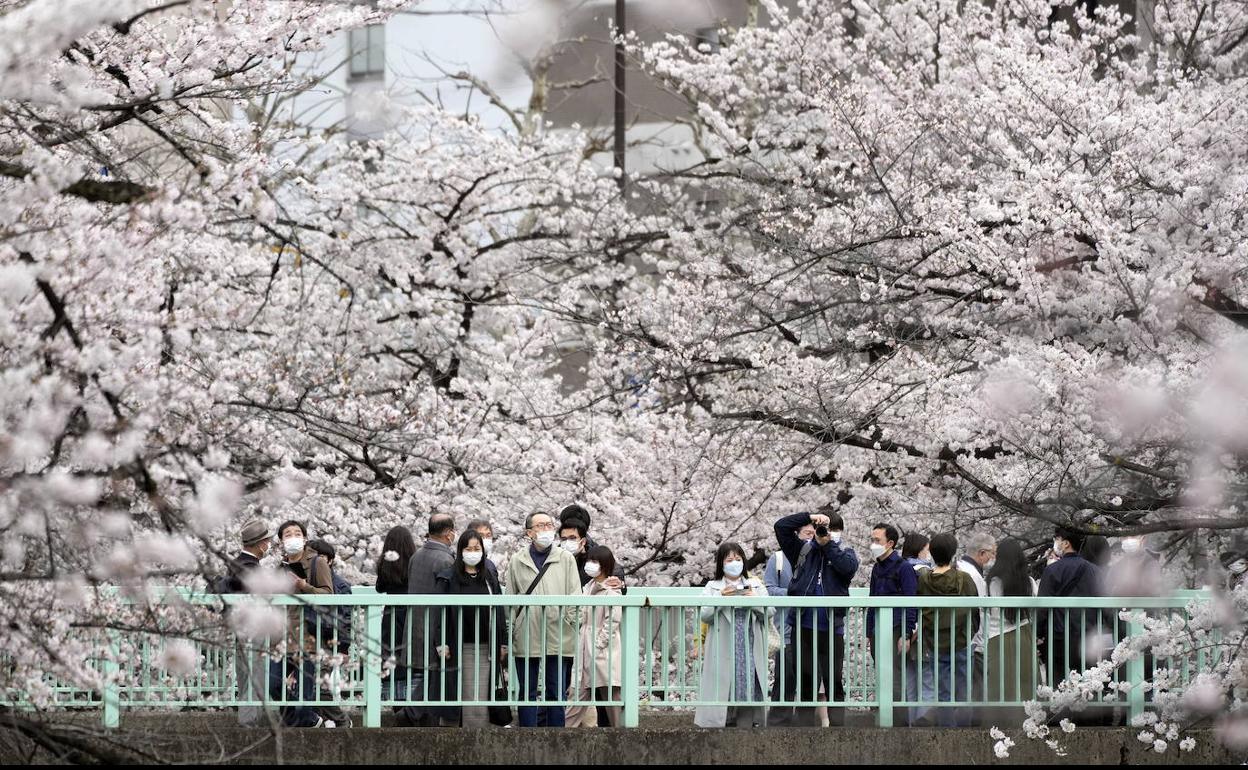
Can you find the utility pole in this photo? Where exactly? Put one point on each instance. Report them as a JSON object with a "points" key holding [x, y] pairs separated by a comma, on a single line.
{"points": [[619, 94]]}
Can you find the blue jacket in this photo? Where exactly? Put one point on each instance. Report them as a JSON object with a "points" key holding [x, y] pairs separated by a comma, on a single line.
{"points": [[894, 577], [834, 563]]}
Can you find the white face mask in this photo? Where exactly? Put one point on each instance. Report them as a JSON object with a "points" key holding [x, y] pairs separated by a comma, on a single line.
{"points": [[488, 544], [991, 563], [1057, 546], [835, 536], [1131, 545], [293, 545], [1238, 567], [473, 558], [877, 550], [733, 568], [592, 569], [544, 539], [571, 546]]}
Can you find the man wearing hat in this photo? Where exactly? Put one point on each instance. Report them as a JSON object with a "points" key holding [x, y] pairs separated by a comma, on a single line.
{"points": [[256, 537], [249, 666]]}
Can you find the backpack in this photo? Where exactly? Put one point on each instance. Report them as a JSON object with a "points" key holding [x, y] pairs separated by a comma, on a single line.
{"points": [[332, 622]]}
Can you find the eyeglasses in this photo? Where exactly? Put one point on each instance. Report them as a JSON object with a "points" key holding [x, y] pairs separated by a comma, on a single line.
{"points": [[543, 526]]}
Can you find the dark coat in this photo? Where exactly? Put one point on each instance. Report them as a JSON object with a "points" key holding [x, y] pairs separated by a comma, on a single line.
{"points": [[422, 572], [834, 562]]}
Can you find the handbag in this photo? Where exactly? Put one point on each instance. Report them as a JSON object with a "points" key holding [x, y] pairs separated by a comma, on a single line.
{"points": [[500, 715]]}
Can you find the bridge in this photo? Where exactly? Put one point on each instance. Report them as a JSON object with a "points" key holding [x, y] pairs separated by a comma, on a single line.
{"points": [[660, 656]]}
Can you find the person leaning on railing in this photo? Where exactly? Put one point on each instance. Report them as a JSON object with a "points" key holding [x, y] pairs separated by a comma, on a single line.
{"points": [[543, 639], [944, 637], [734, 661], [295, 675], [472, 639]]}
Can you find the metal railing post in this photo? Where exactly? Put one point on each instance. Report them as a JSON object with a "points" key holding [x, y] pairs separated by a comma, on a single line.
{"points": [[1135, 674], [884, 653], [630, 642], [111, 690], [372, 665]]}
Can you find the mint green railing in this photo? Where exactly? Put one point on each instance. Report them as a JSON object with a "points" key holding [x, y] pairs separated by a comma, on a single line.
{"points": [[659, 653]]}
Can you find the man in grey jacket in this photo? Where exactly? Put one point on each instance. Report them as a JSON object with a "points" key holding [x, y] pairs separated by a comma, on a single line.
{"points": [[434, 556]]}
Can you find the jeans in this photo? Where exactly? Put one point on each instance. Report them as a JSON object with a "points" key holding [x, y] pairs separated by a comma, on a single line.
{"points": [[552, 674], [946, 679], [281, 689]]}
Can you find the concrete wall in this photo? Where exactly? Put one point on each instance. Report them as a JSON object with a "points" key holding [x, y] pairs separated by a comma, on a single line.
{"points": [[215, 741]]}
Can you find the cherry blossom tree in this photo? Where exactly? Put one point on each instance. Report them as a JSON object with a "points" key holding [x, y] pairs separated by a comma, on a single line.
{"points": [[969, 263], [945, 263]]}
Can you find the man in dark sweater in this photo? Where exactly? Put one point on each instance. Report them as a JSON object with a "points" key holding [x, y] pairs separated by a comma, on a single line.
{"points": [[1070, 639], [891, 576]]}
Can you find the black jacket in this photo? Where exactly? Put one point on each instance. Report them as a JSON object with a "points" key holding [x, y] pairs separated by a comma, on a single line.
{"points": [[1071, 575], [238, 567]]}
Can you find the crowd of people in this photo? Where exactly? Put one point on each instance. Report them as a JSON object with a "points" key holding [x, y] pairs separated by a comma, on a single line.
{"points": [[749, 655]]}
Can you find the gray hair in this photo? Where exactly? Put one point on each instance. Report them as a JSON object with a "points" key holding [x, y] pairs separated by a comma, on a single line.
{"points": [[979, 541]]}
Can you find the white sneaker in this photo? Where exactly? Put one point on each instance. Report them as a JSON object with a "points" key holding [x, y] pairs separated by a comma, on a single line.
{"points": [[329, 723]]}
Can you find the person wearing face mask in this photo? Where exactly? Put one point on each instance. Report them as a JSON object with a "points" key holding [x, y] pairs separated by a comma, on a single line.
{"points": [[734, 661], [917, 554], [1066, 635], [1236, 566], [915, 551], [574, 538], [486, 530], [543, 638], [294, 675], [823, 566], [598, 674], [891, 576], [1136, 572], [980, 556], [433, 557], [470, 639]]}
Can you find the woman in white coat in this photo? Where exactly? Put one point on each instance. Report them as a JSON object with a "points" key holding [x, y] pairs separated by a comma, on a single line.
{"points": [[599, 665], [734, 664]]}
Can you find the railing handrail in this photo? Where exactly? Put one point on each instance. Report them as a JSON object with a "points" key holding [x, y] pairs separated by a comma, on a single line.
{"points": [[637, 599]]}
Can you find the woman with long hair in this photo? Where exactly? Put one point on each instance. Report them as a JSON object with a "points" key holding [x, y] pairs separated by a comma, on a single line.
{"points": [[1010, 641], [470, 639], [734, 664], [396, 552]]}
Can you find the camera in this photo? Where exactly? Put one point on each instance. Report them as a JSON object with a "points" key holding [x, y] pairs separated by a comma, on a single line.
{"points": [[821, 531]]}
